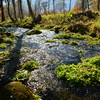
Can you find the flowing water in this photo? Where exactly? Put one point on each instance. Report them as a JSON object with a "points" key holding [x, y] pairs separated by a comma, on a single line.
{"points": [[43, 80]]}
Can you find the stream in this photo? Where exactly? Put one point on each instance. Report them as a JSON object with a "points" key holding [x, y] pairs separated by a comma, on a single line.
{"points": [[44, 81]]}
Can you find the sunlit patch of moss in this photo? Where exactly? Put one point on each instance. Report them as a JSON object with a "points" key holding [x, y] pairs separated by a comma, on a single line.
{"points": [[80, 51], [37, 97], [73, 43], [3, 46], [65, 41], [62, 36], [86, 73], [20, 76], [8, 40], [30, 65], [16, 91], [50, 41], [32, 32]]}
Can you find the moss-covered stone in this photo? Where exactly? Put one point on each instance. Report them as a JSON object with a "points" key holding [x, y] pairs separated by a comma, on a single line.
{"points": [[30, 65], [65, 41], [16, 91], [32, 32]]}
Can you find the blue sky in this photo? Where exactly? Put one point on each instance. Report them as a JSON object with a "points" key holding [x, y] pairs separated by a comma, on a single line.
{"points": [[67, 2]]}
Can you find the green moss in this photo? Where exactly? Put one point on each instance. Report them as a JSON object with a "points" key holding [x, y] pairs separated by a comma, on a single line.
{"points": [[2, 30], [3, 46], [32, 32], [62, 36], [50, 41], [73, 43], [65, 41], [30, 65], [16, 91], [86, 73], [22, 76], [80, 51], [8, 40], [37, 97]]}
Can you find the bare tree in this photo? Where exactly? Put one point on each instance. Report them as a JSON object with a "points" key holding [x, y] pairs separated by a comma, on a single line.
{"points": [[44, 5], [70, 5], [54, 6], [98, 6]]}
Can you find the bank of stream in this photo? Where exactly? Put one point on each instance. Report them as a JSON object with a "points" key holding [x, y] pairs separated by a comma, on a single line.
{"points": [[44, 81]]}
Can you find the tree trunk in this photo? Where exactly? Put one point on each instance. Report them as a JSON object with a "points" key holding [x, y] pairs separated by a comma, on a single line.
{"points": [[88, 4], [9, 12], [70, 5], [13, 2], [48, 6], [21, 10], [98, 6], [30, 11], [54, 6], [2, 10], [83, 9]]}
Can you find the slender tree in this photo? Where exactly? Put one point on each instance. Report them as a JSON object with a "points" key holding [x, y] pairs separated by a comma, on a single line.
{"points": [[2, 11], [70, 5], [98, 6], [83, 9], [54, 6], [14, 7], [8, 3], [30, 11]]}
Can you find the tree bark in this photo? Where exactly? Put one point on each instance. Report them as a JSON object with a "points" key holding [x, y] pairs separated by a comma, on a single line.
{"points": [[83, 9], [98, 6], [2, 11], [30, 11], [9, 11], [70, 5], [54, 6], [13, 2]]}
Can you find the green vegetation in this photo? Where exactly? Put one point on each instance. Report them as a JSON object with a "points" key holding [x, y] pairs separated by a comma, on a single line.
{"points": [[4, 55], [50, 41], [32, 32], [37, 97], [65, 41], [73, 43], [80, 51], [86, 73], [16, 91], [22, 76], [8, 40], [30, 65], [3, 46]]}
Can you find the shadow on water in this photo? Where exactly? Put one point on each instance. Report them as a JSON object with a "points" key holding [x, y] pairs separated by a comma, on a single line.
{"points": [[12, 64]]}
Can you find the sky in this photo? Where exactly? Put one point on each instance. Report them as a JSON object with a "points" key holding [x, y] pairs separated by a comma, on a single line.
{"points": [[67, 2]]}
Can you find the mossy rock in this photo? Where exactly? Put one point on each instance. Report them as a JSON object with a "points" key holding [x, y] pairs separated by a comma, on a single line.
{"points": [[16, 91], [2, 29], [48, 26], [30, 65], [65, 41], [73, 43], [32, 32]]}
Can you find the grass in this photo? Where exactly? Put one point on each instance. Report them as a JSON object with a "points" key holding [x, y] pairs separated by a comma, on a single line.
{"points": [[50, 41], [30, 65], [86, 73], [32, 32]]}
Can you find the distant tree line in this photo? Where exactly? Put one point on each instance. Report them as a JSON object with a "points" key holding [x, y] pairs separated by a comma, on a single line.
{"points": [[15, 9]]}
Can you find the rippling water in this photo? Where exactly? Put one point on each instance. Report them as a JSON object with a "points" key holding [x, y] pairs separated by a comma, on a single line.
{"points": [[43, 80]]}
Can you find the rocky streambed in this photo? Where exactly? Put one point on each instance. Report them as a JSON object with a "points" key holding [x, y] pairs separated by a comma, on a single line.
{"points": [[44, 81]]}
